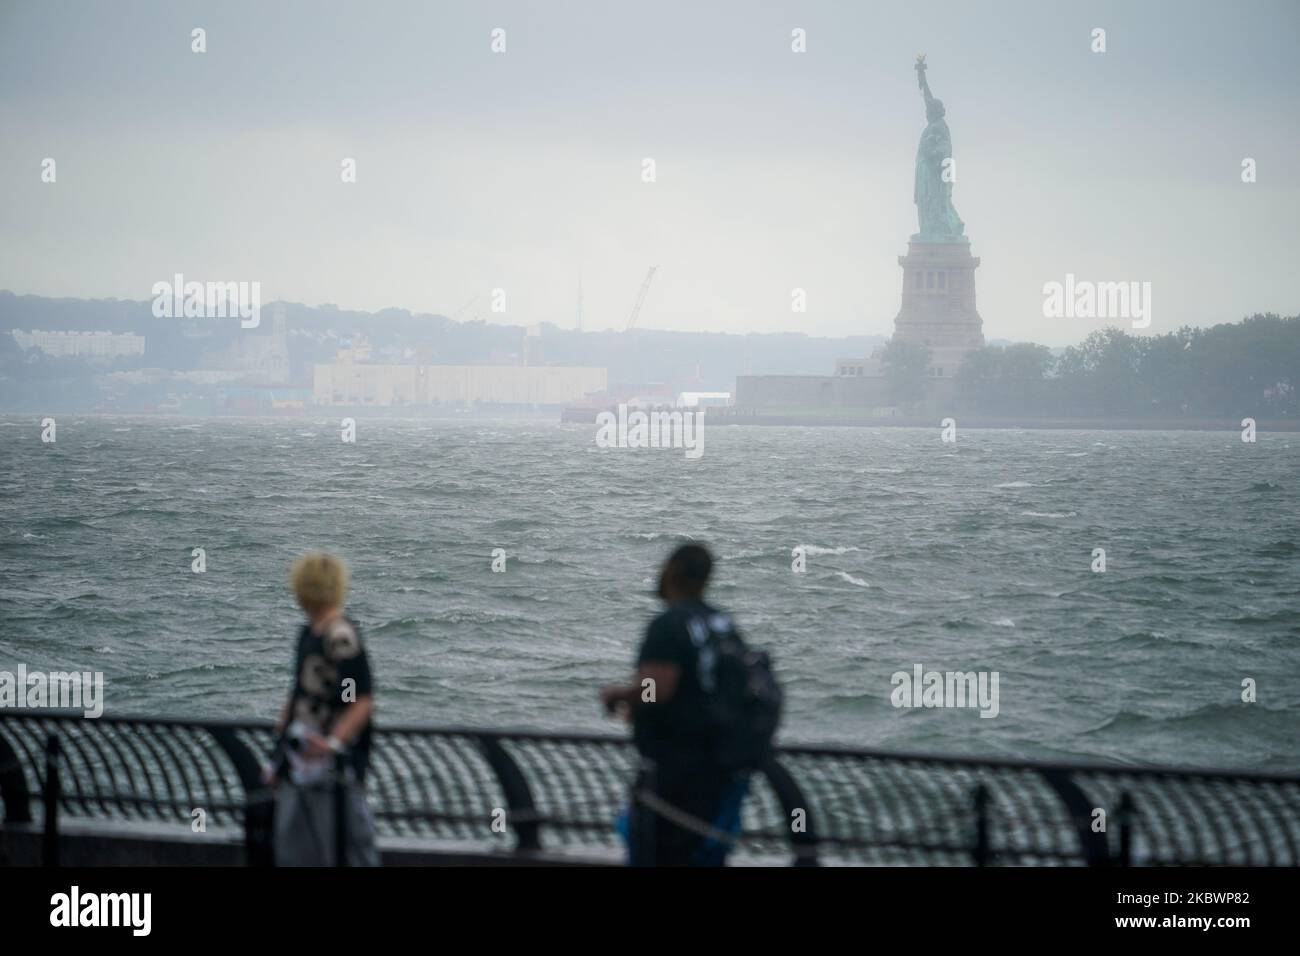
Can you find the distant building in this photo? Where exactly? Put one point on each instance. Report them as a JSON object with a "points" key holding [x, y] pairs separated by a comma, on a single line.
{"points": [[703, 399], [348, 383], [357, 349], [870, 367], [533, 345], [259, 357], [93, 345]]}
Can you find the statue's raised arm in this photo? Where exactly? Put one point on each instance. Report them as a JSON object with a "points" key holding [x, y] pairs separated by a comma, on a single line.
{"points": [[921, 81]]}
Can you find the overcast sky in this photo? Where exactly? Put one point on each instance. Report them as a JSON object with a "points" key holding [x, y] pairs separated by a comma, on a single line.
{"points": [[775, 170]]}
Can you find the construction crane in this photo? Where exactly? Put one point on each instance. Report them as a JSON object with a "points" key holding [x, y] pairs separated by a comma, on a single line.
{"points": [[640, 299], [457, 314]]}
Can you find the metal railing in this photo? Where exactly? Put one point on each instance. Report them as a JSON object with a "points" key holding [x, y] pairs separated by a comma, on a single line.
{"points": [[519, 791]]}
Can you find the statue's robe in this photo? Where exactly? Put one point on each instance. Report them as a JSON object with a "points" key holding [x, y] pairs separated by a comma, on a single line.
{"points": [[933, 196]]}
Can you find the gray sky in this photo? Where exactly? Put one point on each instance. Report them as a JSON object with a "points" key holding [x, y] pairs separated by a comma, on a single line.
{"points": [[775, 170]]}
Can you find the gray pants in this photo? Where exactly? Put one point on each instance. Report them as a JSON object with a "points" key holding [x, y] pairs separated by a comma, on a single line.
{"points": [[304, 826]]}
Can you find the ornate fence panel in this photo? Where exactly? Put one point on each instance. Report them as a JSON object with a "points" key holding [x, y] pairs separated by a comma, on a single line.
{"points": [[524, 791]]}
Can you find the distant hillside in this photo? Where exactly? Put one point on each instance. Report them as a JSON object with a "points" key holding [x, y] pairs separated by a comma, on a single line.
{"points": [[709, 360]]}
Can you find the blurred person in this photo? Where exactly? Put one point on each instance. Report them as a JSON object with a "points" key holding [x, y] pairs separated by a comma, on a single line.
{"points": [[704, 709], [323, 734]]}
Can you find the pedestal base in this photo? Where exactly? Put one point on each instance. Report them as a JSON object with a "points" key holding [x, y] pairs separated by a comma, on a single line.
{"points": [[938, 308]]}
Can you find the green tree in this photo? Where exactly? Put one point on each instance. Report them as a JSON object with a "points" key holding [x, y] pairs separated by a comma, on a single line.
{"points": [[906, 367], [1005, 380], [1250, 368]]}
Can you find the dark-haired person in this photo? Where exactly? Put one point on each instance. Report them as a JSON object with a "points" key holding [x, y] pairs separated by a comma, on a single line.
{"points": [[695, 798], [325, 727]]}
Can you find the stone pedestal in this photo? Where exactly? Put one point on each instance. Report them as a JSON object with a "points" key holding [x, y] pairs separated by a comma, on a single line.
{"points": [[938, 308]]}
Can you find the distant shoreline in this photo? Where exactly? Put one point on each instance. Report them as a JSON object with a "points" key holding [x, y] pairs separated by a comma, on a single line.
{"points": [[1054, 424], [713, 416]]}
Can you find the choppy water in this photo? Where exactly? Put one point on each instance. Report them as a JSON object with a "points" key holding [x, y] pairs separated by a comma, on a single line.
{"points": [[966, 556]]}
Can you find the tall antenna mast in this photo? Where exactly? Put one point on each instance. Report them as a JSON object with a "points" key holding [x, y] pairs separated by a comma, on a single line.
{"points": [[580, 301]]}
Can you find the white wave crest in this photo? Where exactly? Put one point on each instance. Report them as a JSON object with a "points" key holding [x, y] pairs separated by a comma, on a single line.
{"points": [[814, 549]]}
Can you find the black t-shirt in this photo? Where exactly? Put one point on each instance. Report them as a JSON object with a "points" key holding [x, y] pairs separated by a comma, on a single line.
{"points": [[323, 667], [677, 734]]}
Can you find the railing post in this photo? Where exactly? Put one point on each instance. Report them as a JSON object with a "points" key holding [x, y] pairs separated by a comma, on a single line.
{"points": [[13, 786], [519, 798], [50, 840], [1094, 846], [259, 804], [1126, 816], [981, 849]]}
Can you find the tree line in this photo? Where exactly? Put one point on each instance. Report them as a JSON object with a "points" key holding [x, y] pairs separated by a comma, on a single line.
{"points": [[1245, 369]]}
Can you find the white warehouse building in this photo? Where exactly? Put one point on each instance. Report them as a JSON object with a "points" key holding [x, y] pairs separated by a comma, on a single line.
{"points": [[345, 383]]}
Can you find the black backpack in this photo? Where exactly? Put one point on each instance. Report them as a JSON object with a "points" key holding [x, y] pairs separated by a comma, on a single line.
{"points": [[744, 698]]}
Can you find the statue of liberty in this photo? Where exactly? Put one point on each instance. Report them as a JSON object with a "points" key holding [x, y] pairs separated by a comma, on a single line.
{"points": [[933, 191]]}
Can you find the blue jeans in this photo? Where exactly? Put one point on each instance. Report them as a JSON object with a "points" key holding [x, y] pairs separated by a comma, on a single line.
{"points": [[669, 845]]}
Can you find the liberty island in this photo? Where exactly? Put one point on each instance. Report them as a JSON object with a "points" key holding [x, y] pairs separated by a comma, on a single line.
{"points": [[937, 318]]}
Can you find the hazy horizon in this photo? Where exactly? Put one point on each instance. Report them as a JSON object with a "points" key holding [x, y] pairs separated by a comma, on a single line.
{"points": [[775, 170]]}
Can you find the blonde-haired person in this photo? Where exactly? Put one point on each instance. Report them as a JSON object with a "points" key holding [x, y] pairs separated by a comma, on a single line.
{"points": [[324, 729]]}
